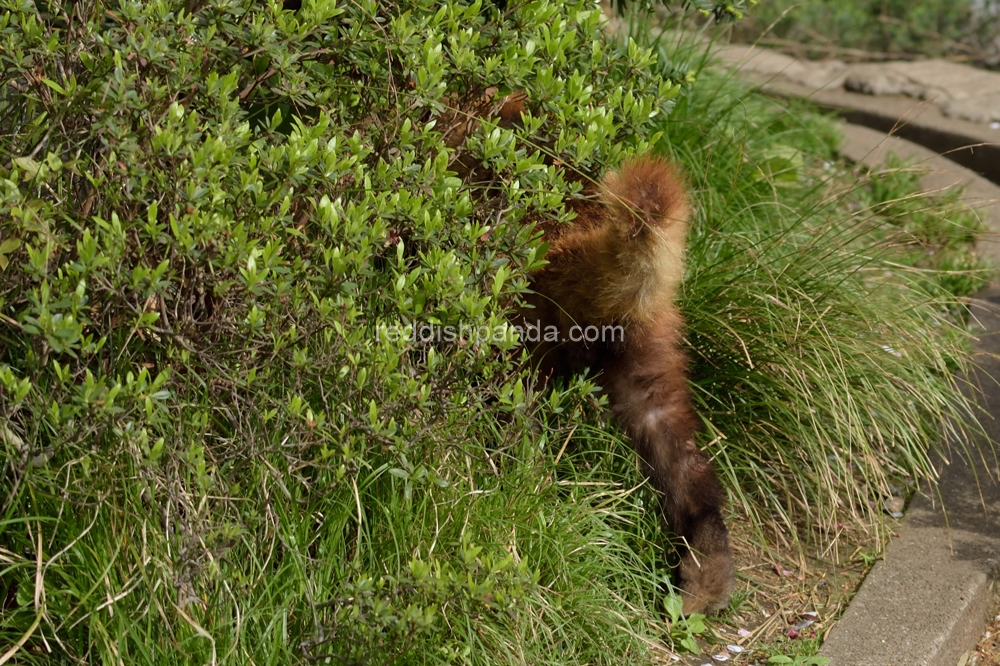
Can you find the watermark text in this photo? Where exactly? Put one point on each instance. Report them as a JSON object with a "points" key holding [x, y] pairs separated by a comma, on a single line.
{"points": [[500, 334]]}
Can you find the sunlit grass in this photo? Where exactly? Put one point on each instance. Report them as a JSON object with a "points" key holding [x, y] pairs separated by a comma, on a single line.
{"points": [[824, 309]]}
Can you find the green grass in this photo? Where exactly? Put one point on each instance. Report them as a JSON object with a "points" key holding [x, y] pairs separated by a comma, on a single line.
{"points": [[824, 345], [824, 348], [824, 310], [866, 29]]}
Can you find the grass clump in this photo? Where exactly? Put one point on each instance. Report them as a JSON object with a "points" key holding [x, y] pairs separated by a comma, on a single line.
{"points": [[933, 231], [215, 452], [821, 307]]}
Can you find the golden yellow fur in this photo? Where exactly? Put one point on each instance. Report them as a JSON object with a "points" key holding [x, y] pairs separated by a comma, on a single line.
{"points": [[623, 261]]}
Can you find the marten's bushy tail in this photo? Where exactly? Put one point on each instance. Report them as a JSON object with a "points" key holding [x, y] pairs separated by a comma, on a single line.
{"points": [[637, 260]]}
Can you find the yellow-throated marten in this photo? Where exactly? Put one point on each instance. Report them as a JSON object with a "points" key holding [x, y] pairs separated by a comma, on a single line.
{"points": [[617, 268]]}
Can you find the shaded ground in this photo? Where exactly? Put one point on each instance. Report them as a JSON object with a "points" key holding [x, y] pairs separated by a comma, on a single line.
{"points": [[788, 603], [987, 653]]}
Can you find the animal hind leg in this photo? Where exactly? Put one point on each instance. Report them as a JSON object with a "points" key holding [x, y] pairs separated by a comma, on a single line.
{"points": [[647, 385]]}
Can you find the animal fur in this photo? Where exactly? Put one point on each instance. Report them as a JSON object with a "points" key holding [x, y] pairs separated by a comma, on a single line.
{"points": [[619, 264]]}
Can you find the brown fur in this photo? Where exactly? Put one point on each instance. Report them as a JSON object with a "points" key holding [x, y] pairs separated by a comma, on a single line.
{"points": [[620, 263]]}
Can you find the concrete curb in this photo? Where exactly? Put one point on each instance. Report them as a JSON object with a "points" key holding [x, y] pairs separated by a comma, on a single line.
{"points": [[972, 145], [928, 601]]}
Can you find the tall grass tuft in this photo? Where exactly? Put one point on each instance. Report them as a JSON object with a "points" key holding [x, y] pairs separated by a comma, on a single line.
{"points": [[823, 308]]}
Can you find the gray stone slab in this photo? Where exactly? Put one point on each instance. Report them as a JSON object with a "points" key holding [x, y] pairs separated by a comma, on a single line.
{"points": [[926, 121], [765, 64], [961, 91]]}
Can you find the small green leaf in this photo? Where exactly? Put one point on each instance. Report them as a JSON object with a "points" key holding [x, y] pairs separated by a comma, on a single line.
{"points": [[55, 86], [28, 166], [10, 245]]}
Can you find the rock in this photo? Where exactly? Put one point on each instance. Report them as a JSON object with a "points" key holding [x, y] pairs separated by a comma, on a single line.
{"points": [[962, 92], [894, 506]]}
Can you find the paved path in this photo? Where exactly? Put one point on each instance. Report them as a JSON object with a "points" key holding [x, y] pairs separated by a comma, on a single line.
{"points": [[954, 110], [927, 602], [959, 91]]}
